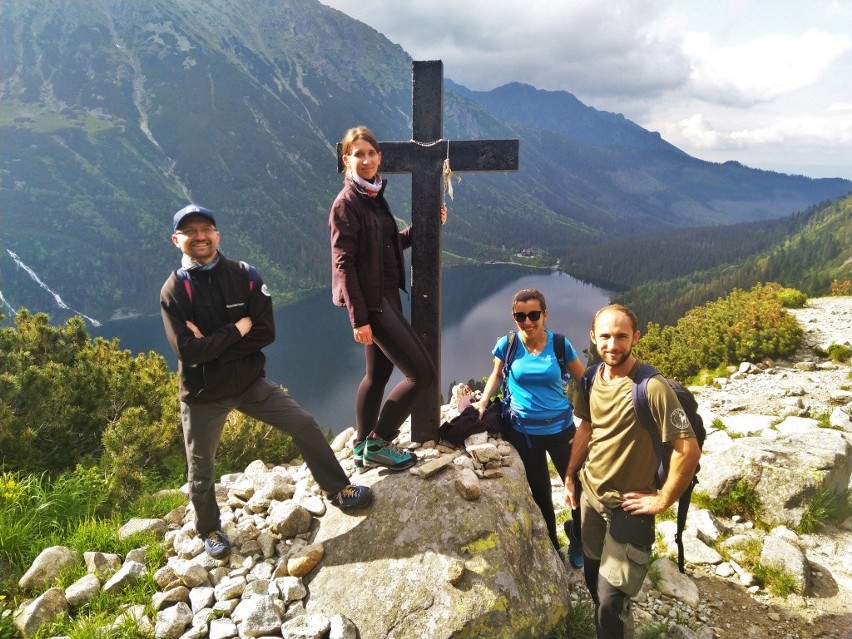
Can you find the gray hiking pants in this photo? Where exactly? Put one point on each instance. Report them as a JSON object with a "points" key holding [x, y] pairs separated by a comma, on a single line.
{"points": [[266, 402]]}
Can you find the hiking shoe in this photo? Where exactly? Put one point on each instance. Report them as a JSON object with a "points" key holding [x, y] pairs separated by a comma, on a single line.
{"points": [[358, 456], [378, 452], [352, 497], [575, 546], [217, 544]]}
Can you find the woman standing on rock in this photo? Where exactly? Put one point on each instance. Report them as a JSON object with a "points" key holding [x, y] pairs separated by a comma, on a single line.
{"points": [[541, 415], [367, 272]]}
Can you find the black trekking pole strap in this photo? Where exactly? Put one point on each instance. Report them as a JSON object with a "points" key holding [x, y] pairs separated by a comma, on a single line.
{"points": [[682, 509]]}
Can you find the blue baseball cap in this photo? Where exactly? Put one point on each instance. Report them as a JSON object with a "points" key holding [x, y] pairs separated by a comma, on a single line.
{"points": [[191, 210]]}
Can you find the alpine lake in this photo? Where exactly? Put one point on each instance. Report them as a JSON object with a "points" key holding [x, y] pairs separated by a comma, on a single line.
{"points": [[315, 357]]}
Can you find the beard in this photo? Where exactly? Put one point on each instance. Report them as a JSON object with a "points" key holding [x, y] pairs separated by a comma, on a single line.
{"points": [[614, 361]]}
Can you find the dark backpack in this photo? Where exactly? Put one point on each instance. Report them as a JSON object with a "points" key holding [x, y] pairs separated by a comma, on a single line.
{"points": [[663, 450], [184, 276]]}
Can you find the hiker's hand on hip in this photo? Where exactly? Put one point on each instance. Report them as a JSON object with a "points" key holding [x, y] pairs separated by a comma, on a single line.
{"points": [[244, 325], [643, 503]]}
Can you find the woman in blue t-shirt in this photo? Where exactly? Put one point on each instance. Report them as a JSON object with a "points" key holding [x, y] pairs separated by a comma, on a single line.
{"points": [[541, 415]]}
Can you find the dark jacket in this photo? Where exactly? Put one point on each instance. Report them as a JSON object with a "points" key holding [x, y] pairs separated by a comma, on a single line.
{"points": [[221, 363], [356, 251]]}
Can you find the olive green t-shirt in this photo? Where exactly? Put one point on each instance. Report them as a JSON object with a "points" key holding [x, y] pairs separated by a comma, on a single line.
{"points": [[621, 454]]}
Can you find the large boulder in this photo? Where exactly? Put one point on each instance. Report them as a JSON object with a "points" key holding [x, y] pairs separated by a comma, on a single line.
{"points": [[787, 472], [426, 562]]}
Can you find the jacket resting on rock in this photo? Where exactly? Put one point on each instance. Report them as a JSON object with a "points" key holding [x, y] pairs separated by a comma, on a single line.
{"points": [[356, 251], [221, 363]]}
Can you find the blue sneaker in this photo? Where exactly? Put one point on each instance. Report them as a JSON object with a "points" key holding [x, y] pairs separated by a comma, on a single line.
{"points": [[358, 457], [352, 497], [217, 544], [575, 545], [378, 452]]}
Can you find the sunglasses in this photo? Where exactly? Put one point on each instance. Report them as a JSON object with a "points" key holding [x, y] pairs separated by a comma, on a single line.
{"points": [[522, 317]]}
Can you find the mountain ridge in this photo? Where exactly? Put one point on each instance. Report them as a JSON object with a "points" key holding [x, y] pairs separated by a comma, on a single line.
{"points": [[116, 113]]}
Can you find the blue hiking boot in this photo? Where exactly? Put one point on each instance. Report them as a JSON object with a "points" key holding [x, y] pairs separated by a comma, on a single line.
{"points": [[575, 545], [358, 457], [352, 497], [217, 544], [378, 452]]}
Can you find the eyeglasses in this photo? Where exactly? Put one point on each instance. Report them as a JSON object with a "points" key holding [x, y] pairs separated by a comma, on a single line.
{"points": [[522, 317], [209, 230]]}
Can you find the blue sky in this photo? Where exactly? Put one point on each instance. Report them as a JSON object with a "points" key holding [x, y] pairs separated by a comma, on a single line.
{"points": [[765, 82]]}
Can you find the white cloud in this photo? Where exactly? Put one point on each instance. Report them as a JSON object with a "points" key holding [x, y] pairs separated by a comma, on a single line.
{"points": [[762, 69], [759, 81]]}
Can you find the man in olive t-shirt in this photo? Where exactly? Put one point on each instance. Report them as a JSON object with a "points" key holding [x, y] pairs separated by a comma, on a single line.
{"points": [[619, 498]]}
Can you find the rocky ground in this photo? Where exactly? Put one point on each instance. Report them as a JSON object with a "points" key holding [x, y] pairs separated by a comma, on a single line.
{"points": [[729, 610]]}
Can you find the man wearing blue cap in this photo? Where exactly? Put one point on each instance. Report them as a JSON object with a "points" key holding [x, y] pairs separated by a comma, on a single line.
{"points": [[218, 316]]}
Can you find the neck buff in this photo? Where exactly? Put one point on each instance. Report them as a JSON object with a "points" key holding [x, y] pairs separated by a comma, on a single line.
{"points": [[370, 188], [188, 263]]}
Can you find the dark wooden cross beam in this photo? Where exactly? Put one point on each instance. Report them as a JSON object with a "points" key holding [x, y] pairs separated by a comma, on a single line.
{"points": [[423, 157]]}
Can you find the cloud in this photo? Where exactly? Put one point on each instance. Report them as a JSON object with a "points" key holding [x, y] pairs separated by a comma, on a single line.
{"points": [[763, 69], [587, 47]]}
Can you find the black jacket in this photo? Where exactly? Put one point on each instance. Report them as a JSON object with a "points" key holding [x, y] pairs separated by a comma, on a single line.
{"points": [[356, 251], [221, 363]]}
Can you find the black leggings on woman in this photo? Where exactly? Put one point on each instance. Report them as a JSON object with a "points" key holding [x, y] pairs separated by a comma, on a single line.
{"points": [[394, 344], [533, 451]]}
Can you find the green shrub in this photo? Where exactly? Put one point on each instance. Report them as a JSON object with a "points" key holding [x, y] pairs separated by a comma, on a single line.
{"points": [[839, 353], [792, 298], [745, 326]]}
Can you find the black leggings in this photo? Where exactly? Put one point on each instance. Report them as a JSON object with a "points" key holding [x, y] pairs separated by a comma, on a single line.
{"points": [[533, 451], [394, 344]]}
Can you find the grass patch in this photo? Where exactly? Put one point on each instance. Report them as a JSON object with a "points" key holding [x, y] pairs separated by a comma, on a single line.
{"points": [[826, 506], [778, 581], [742, 500], [579, 623]]}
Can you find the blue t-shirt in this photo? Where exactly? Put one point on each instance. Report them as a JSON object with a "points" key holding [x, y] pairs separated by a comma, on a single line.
{"points": [[535, 385]]}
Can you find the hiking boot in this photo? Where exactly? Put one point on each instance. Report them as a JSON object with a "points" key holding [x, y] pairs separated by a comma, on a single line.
{"points": [[575, 546], [352, 497], [358, 457], [378, 452], [217, 544]]}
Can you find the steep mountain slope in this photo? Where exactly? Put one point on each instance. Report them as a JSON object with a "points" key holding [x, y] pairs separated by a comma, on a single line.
{"points": [[809, 259], [116, 113]]}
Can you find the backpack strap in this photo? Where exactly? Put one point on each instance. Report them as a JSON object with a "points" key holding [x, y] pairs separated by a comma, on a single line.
{"points": [[559, 349], [643, 414], [183, 276]]}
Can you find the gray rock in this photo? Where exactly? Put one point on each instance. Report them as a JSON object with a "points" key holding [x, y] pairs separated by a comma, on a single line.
{"points": [[403, 546], [83, 590], [467, 484], [672, 583], [342, 628], [223, 629], [33, 614], [102, 563], [259, 615], [172, 622], [46, 567], [780, 552], [785, 473], [201, 598], [306, 627], [138, 525], [128, 574], [288, 519]]}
